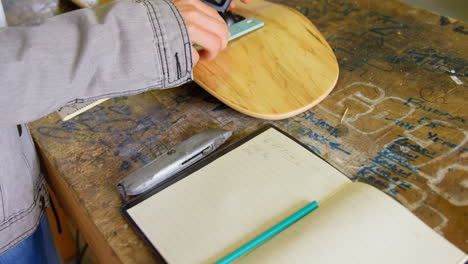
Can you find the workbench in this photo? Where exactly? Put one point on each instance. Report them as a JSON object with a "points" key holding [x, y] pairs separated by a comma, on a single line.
{"points": [[396, 120]]}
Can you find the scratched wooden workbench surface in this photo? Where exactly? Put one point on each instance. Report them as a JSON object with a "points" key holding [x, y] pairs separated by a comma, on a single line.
{"points": [[397, 119]]}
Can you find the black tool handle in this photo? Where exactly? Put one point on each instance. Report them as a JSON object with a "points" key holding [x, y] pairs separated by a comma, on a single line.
{"points": [[220, 5]]}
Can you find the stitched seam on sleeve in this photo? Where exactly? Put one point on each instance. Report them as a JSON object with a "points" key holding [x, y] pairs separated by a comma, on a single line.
{"points": [[114, 94], [183, 32], [158, 37], [161, 41]]}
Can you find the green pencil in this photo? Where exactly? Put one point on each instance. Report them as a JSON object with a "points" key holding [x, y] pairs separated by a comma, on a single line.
{"points": [[269, 233]]}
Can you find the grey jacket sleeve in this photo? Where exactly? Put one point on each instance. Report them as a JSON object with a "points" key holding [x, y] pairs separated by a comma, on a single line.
{"points": [[121, 48]]}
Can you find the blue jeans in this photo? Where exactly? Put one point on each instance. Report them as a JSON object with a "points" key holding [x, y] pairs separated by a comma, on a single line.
{"points": [[38, 248]]}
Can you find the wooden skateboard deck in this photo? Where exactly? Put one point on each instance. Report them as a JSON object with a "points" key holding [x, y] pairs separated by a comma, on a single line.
{"points": [[275, 72]]}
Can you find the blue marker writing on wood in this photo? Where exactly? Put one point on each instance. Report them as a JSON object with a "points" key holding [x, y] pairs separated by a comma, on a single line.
{"points": [[269, 233]]}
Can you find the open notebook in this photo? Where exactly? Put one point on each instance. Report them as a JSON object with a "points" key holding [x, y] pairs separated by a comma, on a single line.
{"points": [[252, 186]]}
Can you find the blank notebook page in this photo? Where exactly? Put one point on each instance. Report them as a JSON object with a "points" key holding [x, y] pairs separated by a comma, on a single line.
{"points": [[220, 207], [359, 224]]}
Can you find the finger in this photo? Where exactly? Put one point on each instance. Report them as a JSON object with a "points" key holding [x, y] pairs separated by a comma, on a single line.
{"points": [[208, 10], [195, 56], [196, 8], [213, 22], [210, 42], [203, 24], [206, 28], [233, 3]]}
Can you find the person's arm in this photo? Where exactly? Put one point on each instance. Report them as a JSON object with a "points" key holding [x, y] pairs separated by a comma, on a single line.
{"points": [[121, 48]]}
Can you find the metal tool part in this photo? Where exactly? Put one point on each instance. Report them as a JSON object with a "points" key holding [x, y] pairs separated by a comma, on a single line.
{"points": [[243, 27], [231, 18], [220, 5]]}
